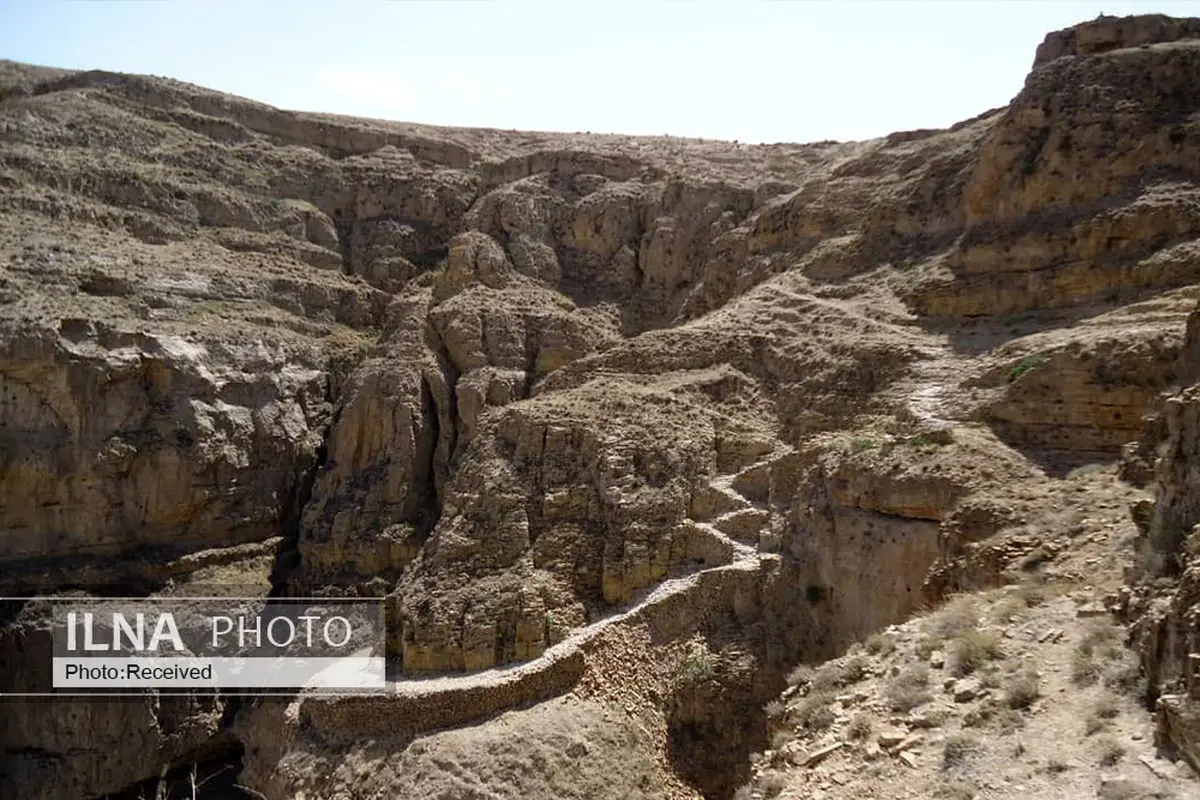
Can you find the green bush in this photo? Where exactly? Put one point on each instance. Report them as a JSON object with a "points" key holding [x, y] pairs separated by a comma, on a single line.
{"points": [[1026, 364]]}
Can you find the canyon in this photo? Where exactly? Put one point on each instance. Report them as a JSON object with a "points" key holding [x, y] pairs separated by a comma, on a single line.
{"points": [[624, 430]]}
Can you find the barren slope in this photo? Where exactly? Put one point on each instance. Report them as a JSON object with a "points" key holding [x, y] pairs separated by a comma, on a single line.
{"points": [[623, 428]]}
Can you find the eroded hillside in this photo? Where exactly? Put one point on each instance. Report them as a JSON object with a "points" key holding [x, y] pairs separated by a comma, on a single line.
{"points": [[625, 429]]}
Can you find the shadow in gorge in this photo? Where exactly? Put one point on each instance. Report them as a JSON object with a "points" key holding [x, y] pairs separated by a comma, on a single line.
{"points": [[716, 715], [213, 778]]}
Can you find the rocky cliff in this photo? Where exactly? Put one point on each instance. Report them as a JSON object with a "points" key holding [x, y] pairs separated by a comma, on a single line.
{"points": [[623, 428]]}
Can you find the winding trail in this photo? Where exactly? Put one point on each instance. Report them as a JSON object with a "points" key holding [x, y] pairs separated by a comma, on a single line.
{"points": [[413, 705]]}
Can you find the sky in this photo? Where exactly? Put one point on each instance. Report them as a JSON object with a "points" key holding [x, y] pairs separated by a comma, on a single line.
{"points": [[748, 70]]}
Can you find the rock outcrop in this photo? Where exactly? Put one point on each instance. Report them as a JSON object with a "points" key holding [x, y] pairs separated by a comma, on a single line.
{"points": [[623, 428]]}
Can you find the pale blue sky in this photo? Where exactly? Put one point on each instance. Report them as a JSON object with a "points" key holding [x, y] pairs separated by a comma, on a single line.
{"points": [[754, 70]]}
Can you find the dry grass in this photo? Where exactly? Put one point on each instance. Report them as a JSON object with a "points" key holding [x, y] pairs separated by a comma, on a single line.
{"points": [[971, 649], [1111, 751], [909, 689], [1103, 710], [815, 712], [771, 783], [1097, 649], [860, 726], [837, 674], [1022, 689], [955, 790], [880, 644], [956, 618], [1055, 765], [957, 748], [930, 719]]}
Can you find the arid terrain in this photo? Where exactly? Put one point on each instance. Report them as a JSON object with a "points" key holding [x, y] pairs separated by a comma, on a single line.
{"points": [[687, 468]]}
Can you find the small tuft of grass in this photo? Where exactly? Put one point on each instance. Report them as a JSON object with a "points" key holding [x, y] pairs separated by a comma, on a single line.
{"points": [[972, 649], [815, 712], [957, 748], [860, 444], [1099, 644], [1127, 790], [1106, 706], [698, 666], [1084, 470], [1035, 558], [1056, 766], [954, 790], [801, 675], [925, 647], [1084, 668], [1093, 724], [1111, 751], [930, 719], [837, 674], [1009, 720], [1026, 364], [772, 783], [860, 726], [881, 644], [1124, 674], [1032, 593], [909, 689], [954, 619], [1022, 689]]}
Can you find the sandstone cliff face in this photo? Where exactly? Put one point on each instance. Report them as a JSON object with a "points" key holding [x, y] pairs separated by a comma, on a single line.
{"points": [[573, 404]]}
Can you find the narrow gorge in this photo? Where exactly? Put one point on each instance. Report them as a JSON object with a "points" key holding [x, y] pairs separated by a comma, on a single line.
{"points": [[628, 432]]}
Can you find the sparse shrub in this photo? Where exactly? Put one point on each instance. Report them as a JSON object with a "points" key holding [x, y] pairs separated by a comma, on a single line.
{"points": [[1099, 642], [771, 783], [957, 617], [860, 726], [1106, 707], [1022, 689], [815, 712], [977, 717], [836, 674], [1026, 364], [881, 644], [1032, 593], [931, 719], [1056, 766], [1100, 639], [1103, 710], [1093, 724], [989, 676], [775, 709], [1111, 751], [1123, 675], [954, 790], [935, 439], [802, 674], [861, 444], [1007, 608], [1035, 558], [1009, 720], [909, 689], [1084, 470], [698, 666], [972, 649], [957, 748], [1084, 669], [925, 647], [1127, 790]]}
